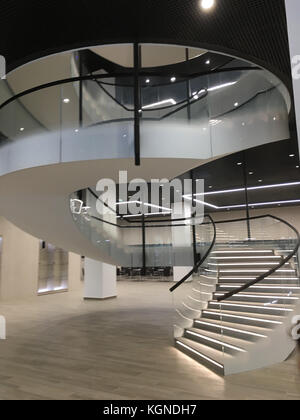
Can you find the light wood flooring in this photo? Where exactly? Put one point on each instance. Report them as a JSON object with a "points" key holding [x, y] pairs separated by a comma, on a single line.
{"points": [[61, 347]]}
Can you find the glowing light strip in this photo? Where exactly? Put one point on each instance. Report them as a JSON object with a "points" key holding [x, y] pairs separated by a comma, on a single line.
{"points": [[128, 202], [254, 271], [242, 264], [165, 102], [262, 287], [216, 341], [253, 278], [200, 354], [242, 251], [230, 329], [157, 207], [220, 86], [252, 306], [246, 258], [144, 204], [260, 187], [243, 317], [261, 296], [147, 214]]}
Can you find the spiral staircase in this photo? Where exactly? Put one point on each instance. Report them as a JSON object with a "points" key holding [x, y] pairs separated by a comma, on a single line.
{"points": [[236, 314], [103, 121]]}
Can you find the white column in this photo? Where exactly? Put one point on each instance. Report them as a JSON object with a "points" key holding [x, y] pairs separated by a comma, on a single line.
{"points": [[100, 280], [293, 16]]}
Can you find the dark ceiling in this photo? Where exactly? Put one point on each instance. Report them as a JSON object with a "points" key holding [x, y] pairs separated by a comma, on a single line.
{"points": [[264, 165], [250, 29]]}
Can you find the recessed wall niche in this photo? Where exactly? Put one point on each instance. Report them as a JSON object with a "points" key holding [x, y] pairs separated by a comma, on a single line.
{"points": [[53, 269]]}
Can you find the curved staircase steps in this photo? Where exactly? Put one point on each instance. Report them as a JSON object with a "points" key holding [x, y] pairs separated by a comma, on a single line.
{"points": [[223, 330]]}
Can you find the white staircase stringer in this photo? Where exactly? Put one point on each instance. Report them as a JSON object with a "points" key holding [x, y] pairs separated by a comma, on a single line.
{"points": [[276, 348]]}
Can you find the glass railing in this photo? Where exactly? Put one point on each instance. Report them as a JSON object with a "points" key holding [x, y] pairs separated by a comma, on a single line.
{"points": [[138, 242], [220, 112], [247, 287]]}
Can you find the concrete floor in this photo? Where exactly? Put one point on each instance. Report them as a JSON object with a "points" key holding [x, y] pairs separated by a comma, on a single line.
{"points": [[61, 347]]}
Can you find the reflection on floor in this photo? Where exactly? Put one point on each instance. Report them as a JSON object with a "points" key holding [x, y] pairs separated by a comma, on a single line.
{"points": [[61, 347]]}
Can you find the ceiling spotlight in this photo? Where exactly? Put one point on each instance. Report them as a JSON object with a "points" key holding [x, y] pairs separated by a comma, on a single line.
{"points": [[76, 131], [147, 80], [260, 180], [210, 187], [239, 163], [207, 4], [292, 155], [236, 104], [173, 79], [207, 62], [66, 101], [22, 129], [274, 118], [251, 173]]}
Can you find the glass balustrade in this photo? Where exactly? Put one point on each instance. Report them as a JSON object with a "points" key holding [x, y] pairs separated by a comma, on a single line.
{"points": [[230, 108], [152, 241], [247, 286]]}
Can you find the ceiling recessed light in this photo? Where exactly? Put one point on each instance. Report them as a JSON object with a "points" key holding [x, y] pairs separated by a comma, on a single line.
{"points": [[76, 131], [243, 124], [173, 79], [207, 62], [239, 163], [22, 129], [274, 118], [236, 104], [292, 155], [260, 180], [66, 101], [251, 173], [297, 166], [207, 4], [210, 187], [147, 80]]}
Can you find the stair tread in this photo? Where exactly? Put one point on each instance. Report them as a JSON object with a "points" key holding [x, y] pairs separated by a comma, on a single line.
{"points": [[266, 294], [265, 285], [241, 327], [260, 297], [262, 304], [267, 317], [214, 354], [237, 342]]}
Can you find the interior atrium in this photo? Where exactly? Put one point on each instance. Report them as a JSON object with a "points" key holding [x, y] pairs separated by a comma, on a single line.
{"points": [[149, 202]]}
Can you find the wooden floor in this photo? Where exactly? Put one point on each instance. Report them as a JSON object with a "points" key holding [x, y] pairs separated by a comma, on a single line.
{"points": [[61, 347]]}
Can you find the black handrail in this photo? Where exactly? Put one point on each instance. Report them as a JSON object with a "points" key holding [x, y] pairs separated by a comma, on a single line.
{"points": [[273, 270], [95, 77], [258, 279], [201, 261]]}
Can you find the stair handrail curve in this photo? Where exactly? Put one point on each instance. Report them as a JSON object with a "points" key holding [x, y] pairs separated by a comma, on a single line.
{"points": [[259, 278], [271, 271], [201, 261]]}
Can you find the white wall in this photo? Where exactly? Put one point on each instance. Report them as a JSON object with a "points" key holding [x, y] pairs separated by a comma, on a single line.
{"points": [[20, 264]]}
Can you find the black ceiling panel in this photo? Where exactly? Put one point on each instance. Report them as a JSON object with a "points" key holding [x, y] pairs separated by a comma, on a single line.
{"points": [[250, 29]]}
